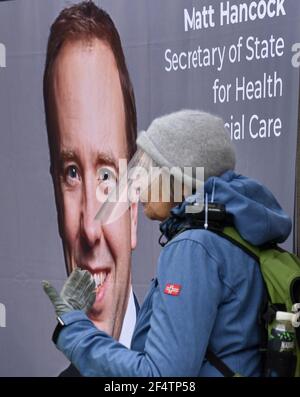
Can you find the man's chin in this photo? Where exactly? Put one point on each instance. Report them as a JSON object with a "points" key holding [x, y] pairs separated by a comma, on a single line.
{"points": [[98, 311], [100, 319]]}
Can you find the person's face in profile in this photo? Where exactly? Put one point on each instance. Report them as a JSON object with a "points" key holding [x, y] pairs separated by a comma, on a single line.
{"points": [[89, 120]]}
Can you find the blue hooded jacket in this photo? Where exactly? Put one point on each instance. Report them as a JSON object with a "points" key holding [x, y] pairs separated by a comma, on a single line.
{"points": [[216, 306]]}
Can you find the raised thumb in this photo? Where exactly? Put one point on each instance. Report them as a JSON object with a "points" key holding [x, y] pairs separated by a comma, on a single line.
{"points": [[52, 293]]}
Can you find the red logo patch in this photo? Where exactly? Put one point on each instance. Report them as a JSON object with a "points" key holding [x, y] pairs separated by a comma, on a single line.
{"points": [[172, 289]]}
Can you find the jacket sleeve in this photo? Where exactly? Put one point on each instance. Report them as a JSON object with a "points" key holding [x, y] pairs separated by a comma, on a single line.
{"points": [[180, 326]]}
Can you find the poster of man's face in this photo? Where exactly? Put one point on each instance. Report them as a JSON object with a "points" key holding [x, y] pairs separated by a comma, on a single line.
{"points": [[87, 122]]}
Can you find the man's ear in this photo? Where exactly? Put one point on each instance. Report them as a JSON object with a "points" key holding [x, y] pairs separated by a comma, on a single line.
{"points": [[134, 220]]}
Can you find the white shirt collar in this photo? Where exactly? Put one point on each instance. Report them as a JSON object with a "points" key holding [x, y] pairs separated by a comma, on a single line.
{"points": [[129, 322]]}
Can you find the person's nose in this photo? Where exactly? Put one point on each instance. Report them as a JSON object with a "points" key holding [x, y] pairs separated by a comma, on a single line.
{"points": [[91, 229]]}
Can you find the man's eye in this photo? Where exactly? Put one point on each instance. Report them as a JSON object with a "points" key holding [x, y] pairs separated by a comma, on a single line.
{"points": [[72, 172], [72, 175], [106, 175], [107, 181]]}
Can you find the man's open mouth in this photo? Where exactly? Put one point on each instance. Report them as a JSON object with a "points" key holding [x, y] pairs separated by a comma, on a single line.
{"points": [[100, 278]]}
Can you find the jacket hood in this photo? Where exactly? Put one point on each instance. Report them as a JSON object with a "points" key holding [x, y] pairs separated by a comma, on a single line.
{"points": [[257, 215]]}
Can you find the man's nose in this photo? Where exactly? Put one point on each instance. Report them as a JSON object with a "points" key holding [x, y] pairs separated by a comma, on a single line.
{"points": [[91, 229]]}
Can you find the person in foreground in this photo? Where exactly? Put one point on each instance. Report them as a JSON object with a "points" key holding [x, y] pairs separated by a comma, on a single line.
{"points": [[207, 293]]}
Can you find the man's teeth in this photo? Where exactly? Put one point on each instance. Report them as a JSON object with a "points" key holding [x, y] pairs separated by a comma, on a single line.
{"points": [[99, 278]]}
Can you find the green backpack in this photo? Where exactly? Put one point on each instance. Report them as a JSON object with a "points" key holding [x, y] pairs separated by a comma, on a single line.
{"points": [[281, 274]]}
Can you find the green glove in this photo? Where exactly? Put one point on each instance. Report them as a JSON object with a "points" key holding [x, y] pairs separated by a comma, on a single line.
{"points": [[78, 292]]}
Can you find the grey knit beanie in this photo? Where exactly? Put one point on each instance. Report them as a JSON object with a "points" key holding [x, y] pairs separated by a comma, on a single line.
{"points": [[189, 138]]}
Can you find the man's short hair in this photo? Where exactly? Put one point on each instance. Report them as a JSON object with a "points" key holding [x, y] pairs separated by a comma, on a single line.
{"points": [[85, 22]]}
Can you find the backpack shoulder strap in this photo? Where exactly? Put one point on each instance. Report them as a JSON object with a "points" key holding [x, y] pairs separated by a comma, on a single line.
{"points": [[219, 364]]}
